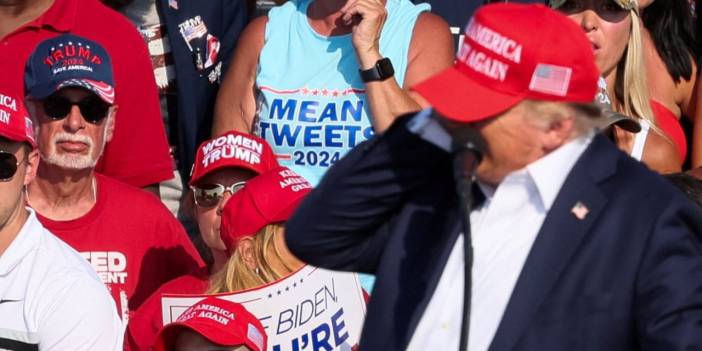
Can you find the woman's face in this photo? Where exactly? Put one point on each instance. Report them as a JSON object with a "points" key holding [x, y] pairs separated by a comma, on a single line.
{"points": [[606, 25], [209, 219]]}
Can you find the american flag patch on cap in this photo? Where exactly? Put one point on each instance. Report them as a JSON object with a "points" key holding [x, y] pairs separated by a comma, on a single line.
{"points": [[551, 79]]}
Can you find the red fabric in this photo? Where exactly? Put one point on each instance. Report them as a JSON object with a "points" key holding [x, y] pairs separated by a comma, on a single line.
{"points": [[232, 149], [138, 153], [268, 198], [500, 63], [222, 322], [133, 242], [670, 125], [14, 122], [145, 323]]}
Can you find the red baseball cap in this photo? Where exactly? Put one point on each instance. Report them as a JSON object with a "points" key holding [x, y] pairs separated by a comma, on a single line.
{"points": [[232, 149], [271, 197], [220, 321], [502, 61], [15, 123]]}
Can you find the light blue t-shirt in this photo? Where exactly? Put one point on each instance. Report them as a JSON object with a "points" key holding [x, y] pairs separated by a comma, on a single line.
{"points": [[311, 101]]}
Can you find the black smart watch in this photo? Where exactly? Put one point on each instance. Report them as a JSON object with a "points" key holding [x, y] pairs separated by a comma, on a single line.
{"points": [[382, 70]]}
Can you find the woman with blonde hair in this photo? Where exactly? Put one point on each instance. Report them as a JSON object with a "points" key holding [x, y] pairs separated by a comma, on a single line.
{"points": [[614, 29], [253, 231]]}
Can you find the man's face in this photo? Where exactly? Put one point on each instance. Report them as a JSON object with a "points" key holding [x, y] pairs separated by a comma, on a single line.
{"points": [[513, 141], [72, 142], [11, 189]]}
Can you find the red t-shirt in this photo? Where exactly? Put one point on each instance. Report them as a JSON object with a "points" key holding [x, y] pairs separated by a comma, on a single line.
{"points": [[148, 319], [138, 153], [133, 242]]}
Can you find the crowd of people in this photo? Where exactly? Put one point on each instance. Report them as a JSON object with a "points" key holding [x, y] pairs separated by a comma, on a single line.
{"points": [[529, 178]]}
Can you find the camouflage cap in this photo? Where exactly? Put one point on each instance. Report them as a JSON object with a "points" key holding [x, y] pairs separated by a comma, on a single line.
{"points": [[625, 4], [613, 117]]}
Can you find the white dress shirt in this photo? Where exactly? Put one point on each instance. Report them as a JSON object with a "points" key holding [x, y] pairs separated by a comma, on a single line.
{"points": [[504, 228]]}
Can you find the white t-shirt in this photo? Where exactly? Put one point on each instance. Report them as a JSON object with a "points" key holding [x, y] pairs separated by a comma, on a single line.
{"points": [[50, 297]]}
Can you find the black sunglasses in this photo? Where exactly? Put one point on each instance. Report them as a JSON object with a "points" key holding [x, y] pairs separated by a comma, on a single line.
{"points": [[209, 195], [92, 108], [8, 166]]}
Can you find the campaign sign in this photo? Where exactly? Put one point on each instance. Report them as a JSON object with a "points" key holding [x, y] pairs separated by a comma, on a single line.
{"points": [[312, 309]]}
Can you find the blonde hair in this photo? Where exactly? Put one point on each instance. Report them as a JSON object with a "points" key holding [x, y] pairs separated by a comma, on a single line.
{"points": [[631, 85], [237, 275]]}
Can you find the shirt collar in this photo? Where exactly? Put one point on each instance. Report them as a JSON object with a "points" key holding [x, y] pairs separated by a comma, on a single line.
{"points": [[26, 240], [61, 16], [550, 172]]}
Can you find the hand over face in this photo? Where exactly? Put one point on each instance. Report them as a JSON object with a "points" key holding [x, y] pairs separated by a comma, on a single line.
{"points": [[366, 18]]}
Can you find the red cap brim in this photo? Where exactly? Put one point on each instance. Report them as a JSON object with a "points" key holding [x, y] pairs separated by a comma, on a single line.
{"points": [[462, 99]]}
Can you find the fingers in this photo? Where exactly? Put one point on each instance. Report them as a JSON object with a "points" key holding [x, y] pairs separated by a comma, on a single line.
{"points": [[363, 8]]}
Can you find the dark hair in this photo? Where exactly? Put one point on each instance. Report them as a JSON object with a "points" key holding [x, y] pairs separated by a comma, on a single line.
{"points": [[117, 4], [689, 185], [672, 27]]}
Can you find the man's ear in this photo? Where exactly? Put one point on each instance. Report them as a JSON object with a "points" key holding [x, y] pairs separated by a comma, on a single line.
{"points": [[245, 249], [33, 160], [110, 131], [558, 132]]}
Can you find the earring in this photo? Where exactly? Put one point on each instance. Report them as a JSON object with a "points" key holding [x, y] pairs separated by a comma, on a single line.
{"points": [[257, 270]]}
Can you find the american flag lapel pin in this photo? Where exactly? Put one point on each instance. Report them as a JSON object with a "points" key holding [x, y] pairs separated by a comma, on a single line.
{"points": [[579, 210]]}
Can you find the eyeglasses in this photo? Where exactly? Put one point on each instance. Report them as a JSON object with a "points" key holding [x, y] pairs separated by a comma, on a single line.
{"points": [[8, 166], [92, 108], [209, 195]]}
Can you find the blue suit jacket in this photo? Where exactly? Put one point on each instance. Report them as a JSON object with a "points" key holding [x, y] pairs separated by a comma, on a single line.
{"points": [[626, 277]]}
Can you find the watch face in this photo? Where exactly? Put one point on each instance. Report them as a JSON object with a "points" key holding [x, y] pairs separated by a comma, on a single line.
{"points": [[385, 67]]}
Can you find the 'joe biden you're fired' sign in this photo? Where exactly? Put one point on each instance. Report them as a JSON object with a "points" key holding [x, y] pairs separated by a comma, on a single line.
{"points": [[312, 309]]}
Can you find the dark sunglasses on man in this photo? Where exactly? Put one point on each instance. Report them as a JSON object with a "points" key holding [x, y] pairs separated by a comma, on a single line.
{"points": [[209, 195], [8, 166], [93, 109]]}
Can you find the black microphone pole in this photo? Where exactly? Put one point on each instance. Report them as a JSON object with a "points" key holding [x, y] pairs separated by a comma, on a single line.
{"points": [[468, 148]]}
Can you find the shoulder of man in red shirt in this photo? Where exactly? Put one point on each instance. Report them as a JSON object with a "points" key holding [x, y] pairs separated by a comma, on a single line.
{"points": [[170, 252], [138, 153], [145, 322]]}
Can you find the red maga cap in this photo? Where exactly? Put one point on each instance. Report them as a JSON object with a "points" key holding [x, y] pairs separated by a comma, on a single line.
{"points": [[269, 198], [232, 149], [15, 123], [502, 61], [220, 321]]}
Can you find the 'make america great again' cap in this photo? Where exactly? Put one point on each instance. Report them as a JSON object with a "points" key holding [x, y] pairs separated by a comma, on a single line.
{"points": [[501, 63]]}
